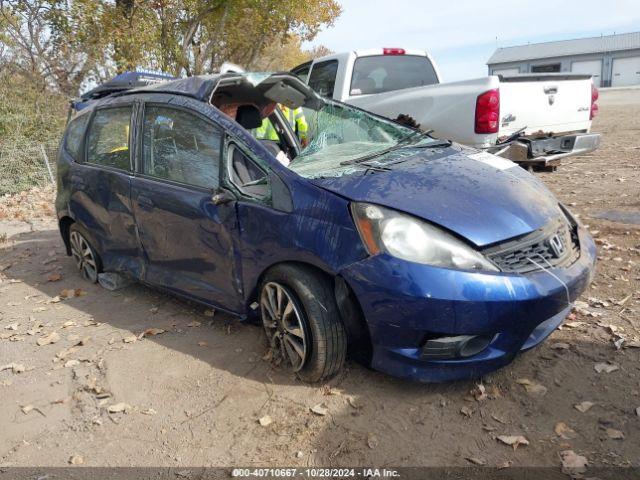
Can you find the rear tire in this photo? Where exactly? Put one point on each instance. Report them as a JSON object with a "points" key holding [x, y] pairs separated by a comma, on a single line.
{"points": [[302, 322], [84, 255]]}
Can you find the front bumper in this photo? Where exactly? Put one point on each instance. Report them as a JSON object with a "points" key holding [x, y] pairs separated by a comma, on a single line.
{"points": [[405, 302]]}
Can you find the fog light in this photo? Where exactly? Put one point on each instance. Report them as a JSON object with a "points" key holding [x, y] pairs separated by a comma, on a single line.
{"points": [[459, 346]]}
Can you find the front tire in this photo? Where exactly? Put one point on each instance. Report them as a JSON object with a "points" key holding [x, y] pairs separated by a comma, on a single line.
{"points": [[84, 255], [302, 322]]}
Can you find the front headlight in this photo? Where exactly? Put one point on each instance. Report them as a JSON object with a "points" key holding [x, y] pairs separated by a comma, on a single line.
{"points": [[409, 238]]}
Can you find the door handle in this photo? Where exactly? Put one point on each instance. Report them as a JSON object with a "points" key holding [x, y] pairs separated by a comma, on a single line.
{"points": [[145, 202]]}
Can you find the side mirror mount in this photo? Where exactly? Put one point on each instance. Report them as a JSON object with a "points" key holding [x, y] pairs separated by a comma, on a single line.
{"points": [[222, 197]]}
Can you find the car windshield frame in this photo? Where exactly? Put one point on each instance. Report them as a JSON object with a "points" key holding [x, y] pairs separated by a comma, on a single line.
{"points": [[319, 158]]}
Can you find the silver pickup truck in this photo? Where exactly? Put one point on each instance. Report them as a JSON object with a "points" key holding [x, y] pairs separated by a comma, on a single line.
{"points": [[534, 119]]}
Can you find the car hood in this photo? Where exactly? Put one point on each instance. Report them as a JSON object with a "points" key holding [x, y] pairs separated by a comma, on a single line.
{"points": [[481, 197]]}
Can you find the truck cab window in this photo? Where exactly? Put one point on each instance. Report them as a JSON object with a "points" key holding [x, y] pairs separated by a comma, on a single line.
{"points": [[323, 77], [385, 73]]}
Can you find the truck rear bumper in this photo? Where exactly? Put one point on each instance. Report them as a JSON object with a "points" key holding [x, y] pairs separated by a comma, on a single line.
{"points": [[549, 151]]}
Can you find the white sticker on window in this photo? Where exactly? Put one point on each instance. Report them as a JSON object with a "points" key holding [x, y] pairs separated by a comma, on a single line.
{"points": [[493, 160]]}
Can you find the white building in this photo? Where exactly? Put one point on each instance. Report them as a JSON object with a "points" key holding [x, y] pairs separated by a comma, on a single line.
{"points": [[613, 60]]}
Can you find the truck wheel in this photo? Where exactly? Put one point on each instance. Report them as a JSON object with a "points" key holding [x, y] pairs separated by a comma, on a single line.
{"points": [[302, 322], [87, 260]]}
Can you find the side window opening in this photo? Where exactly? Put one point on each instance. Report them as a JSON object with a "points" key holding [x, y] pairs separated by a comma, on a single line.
{"points": [[180, 146], [108, 139], [251, 180], [323, 77], [302, 71], [74, 136]]}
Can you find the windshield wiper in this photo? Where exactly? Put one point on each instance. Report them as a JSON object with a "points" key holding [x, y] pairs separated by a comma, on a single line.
{"points": [[439, 144], [400, 143]]}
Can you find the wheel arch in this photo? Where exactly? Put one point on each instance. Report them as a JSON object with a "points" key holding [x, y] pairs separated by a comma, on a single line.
{"points": [[359, 345], [64, 224]]}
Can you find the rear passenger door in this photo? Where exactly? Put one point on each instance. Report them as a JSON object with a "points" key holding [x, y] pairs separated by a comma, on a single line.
{"points": [[187, 238], [100, 192]]}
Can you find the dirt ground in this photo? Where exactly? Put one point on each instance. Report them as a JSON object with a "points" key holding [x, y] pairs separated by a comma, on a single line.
{"points": [[193, 395]]}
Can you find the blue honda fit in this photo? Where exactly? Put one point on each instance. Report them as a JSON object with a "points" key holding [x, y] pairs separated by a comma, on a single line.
{"points": [[344, 233]]}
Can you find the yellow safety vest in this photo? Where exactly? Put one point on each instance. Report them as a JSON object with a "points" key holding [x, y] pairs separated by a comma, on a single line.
{"points": [[294, 116]]}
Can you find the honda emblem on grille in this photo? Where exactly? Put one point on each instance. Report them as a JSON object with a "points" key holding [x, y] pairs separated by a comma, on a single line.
{"points": [[557, 245]]}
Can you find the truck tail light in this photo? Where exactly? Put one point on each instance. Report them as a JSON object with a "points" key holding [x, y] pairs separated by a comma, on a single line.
{"points": [[393, 51], [488, 112], [594, 106]]}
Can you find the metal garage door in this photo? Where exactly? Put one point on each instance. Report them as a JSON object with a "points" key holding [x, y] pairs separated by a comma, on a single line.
{"points": [[589, 67], [506, 72], [626, 71]]}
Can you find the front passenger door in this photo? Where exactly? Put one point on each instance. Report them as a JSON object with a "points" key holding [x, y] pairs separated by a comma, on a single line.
{"points": [[187, 238]]}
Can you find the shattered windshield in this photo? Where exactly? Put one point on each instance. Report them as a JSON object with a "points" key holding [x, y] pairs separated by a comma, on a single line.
{"points": [[339, 137]]}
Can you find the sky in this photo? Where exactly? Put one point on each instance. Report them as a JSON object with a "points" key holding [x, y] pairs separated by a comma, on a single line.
{"points": [[461, 35]]}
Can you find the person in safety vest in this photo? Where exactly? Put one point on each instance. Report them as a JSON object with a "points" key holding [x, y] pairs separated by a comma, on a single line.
{"points": [[295, 117]]}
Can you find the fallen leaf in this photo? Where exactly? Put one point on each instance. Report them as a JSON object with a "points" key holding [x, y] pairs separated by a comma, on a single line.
{"points": [[194, 323], [66, 352], [148, 411], [203, 344], [372, 441], [574, 324], [153, 310], [513, 440], [12, 326], [209, 313], [479, 393], [564, 431], [53, 337], [572, 462], [583, 407], [560, 346], [523, 381], [497, 419], [605, 367], [476, 461], [466, 411], [71, 363], [532, 388], [27, 408], [505, 464], [352, 402], [299, 454], [320, 409], [265, 421], [54, 277], [130, 339], [69, 323], [119, 407], [15, 367], [76, 460], [615, 434], [151, 332]]}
